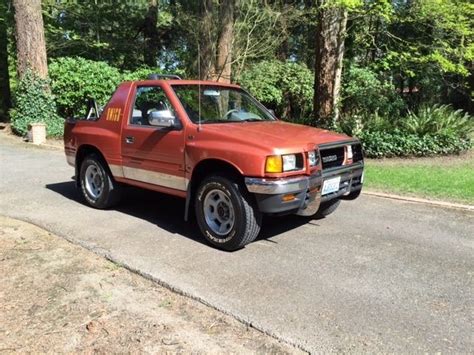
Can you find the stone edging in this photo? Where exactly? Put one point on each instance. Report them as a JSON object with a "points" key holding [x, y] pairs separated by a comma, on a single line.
{"points": [[444, 204]]}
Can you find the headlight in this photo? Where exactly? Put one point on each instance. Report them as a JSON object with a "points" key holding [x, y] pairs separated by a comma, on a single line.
{"points": [[283, 163], [289, 162], [313, 158]]}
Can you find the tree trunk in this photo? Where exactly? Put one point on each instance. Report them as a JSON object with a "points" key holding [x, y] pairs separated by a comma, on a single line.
{"points": [[150, 32], [340, 58], [284, 48], [330, 37], [5, 96], [224, 43], [206, 48], [30, 42]]}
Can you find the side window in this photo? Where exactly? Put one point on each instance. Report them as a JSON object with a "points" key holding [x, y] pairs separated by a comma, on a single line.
{"points": [[151, 103]]}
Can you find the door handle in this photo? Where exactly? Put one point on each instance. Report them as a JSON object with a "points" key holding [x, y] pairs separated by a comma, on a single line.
{"points": [[129, 140]]}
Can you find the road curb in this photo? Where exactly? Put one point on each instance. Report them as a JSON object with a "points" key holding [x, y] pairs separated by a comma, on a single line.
{"points": [[435, 203]]}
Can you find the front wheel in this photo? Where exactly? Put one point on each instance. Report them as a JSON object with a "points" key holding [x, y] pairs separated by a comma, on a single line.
{"points": [[226, 213], [97, 184], [326, 208]]}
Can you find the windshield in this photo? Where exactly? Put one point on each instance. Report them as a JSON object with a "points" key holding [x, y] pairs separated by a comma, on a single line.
{"points": [[220, 104]]}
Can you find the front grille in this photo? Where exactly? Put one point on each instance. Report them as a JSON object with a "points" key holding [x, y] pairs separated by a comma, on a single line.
{"points": [[332, 157], [357, 154]]}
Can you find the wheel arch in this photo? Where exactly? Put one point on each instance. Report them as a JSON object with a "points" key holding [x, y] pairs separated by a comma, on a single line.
{"points": [[84, 151], [205, 168]]}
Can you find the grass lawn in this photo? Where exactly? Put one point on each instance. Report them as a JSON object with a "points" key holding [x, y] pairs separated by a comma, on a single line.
{"points": [[443, 178]]}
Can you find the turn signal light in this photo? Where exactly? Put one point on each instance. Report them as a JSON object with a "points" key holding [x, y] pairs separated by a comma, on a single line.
{"points": [[274, 164], [287, 198]]}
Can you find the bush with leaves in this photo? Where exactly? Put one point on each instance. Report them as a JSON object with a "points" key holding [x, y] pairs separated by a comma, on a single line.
{"points": [[439, 119], [142, 73], [74, 80], [33, 103], [285, 87], [379, 144], [363, 93], [437, 130], [356, 124]]}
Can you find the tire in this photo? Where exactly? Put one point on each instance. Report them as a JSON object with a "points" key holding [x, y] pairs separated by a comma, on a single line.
{"points": [[327, 208], [97, 185], [219, 198], [352, 196]]}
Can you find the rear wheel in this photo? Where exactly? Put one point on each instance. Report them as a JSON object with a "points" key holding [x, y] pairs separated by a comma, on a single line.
{"points": [[97, 184], [326, 208], [226, 213]]}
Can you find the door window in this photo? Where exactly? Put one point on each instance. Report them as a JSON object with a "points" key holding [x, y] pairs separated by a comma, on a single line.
{"points": [[150, 102]]}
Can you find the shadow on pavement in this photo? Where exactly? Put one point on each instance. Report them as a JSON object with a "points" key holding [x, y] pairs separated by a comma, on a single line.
{"points": [[167, 212]]}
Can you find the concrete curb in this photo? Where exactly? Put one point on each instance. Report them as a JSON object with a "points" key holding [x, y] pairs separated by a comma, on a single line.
{"points": [[435, 203]]}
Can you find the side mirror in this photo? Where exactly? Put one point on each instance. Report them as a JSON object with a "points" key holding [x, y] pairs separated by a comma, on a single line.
{"points": [[162, 119], [272, 112]]}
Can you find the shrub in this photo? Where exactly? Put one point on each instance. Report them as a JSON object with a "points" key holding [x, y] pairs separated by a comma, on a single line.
{"points": [[378, 144], [143, 73], [74, 80], [285, 87], [363, 93], [355, 125], [438, 130], [33, 103], [439, 119]]}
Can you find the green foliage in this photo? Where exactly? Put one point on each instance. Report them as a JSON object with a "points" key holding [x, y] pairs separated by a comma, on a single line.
{"points": [[426, 47], [356, 124], [363, 93], [434, 130], [285, 87], [74, 80], [110, 31], [439, 119], [33, 104], [143, 72], [378, 144]]}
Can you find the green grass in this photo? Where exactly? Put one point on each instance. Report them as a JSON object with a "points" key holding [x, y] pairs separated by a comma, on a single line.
{"points": [[441, 178]]}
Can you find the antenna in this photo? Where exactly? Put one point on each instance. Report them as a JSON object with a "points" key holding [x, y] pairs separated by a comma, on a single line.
{"points": [[199, 87]]}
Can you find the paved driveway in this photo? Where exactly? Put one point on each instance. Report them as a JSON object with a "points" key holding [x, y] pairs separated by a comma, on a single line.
{"points": [[378, 275]]}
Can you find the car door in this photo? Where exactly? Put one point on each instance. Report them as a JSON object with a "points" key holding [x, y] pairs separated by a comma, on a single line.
{"points": [[151, 154]]}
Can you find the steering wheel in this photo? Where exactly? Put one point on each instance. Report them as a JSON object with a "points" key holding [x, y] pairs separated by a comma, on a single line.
{"points": [[229, 112]]}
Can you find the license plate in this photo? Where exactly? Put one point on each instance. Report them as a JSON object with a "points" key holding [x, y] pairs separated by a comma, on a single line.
{"points": [[331, 185]]}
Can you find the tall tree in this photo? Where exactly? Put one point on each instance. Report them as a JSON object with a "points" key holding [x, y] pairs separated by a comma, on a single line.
{"points": [[206, 40], [330, 35], [224, 43], [151, 35], [5, 96], [29, 33]]}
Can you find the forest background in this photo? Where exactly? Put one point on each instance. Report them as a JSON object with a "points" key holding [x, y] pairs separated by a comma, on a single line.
{"points": [[398, 74]]}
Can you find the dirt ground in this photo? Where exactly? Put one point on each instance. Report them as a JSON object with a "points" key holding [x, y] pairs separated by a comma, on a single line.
{"points": [[58, 297]]}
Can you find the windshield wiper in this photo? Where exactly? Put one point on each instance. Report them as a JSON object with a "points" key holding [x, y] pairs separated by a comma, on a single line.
{"points": [[248, 120]]}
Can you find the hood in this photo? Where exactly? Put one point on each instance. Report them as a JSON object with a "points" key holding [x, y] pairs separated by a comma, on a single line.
{"points": [[275, 134]]}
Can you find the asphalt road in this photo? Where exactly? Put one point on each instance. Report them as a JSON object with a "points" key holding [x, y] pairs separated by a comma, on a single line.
{"points": [[378, 275]]}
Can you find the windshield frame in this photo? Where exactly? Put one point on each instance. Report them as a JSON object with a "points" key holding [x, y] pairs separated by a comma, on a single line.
{"points": [[270, 117]]}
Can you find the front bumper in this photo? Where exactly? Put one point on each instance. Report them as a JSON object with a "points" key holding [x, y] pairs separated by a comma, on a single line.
{"points": [[352, 177], [270, 194]]}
